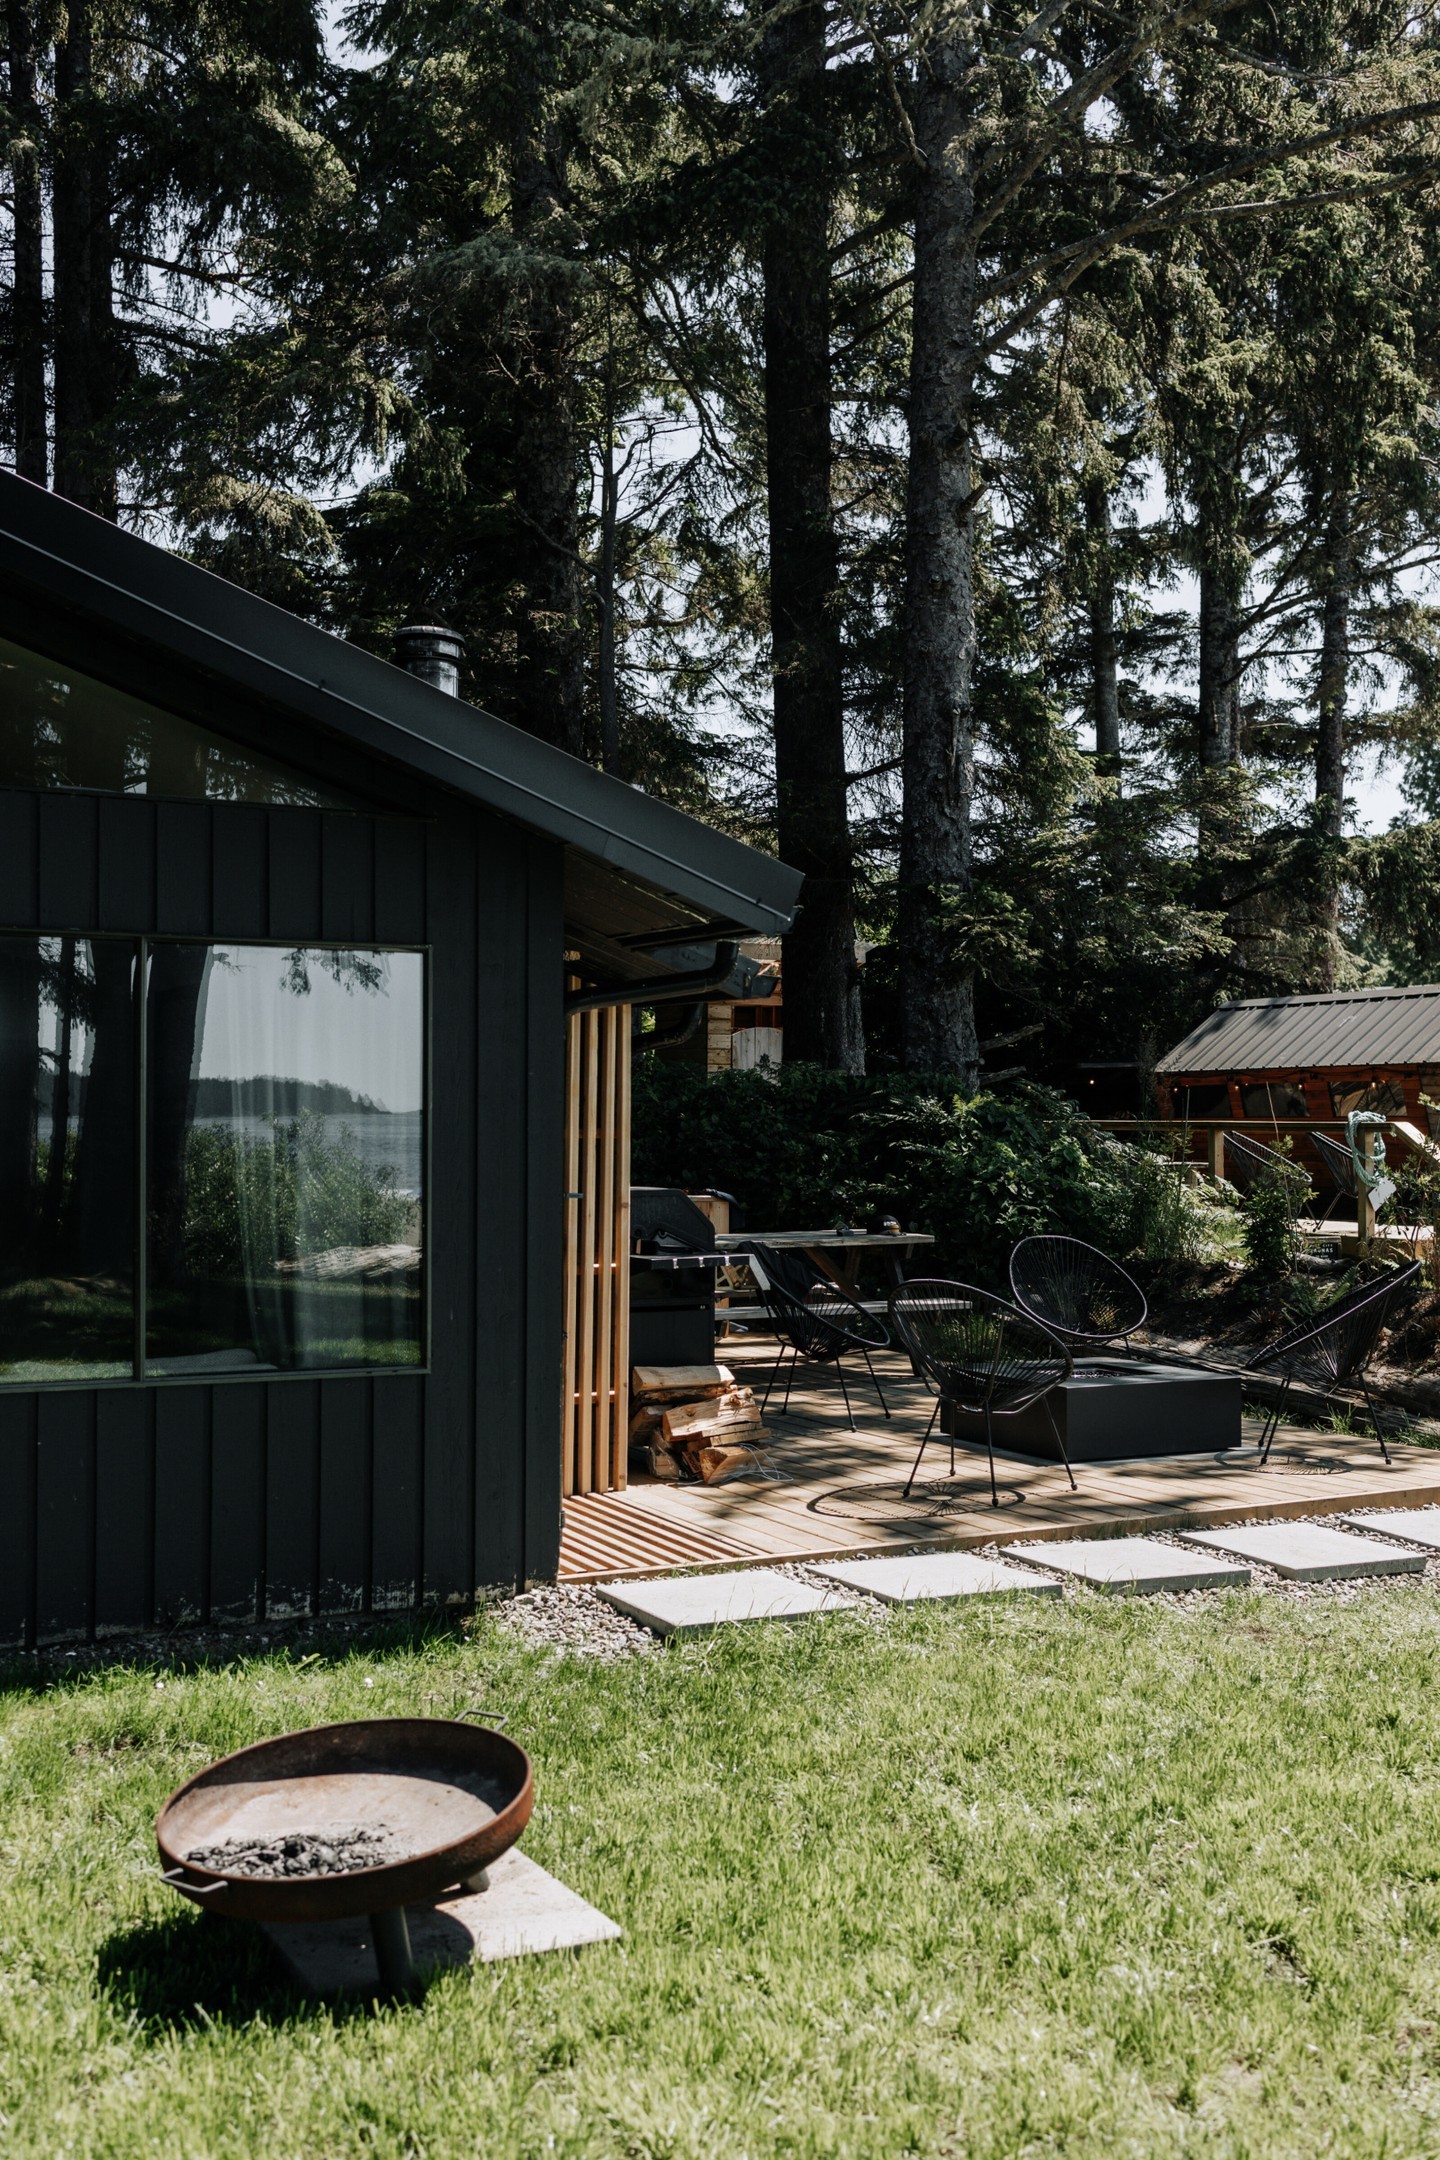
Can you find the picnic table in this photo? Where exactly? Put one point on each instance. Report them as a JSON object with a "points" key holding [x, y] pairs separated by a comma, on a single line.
{"points": [[837, 1253]]}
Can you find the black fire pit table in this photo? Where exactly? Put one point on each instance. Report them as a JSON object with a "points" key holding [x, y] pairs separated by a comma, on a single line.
{"points": [[348, 1820], [1118, 1408]]}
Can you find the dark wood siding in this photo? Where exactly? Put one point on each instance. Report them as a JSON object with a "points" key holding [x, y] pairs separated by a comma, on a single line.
{"points": [[125, 1506]]}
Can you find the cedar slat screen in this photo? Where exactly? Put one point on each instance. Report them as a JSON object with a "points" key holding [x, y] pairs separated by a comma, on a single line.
{"points": [[597, 1246]]}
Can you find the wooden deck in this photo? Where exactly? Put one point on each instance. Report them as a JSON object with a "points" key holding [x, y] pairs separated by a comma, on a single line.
{"points": [[836, 1492]]}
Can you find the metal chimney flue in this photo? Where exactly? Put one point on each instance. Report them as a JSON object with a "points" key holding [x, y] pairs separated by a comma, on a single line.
{"points": [[432, 652]]}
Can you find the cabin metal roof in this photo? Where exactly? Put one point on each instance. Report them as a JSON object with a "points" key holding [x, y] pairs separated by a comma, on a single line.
{"points": [[1370, 1029], [633, 864]]}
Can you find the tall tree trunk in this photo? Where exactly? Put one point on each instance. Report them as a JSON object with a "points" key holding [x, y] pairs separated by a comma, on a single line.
{"points": [[1221, 570], [547, 461], [1218, 704], [1104, 644], [85, 371], [27, 301], [1332, 691], [822, 992], [607, 684], [937, 987]]}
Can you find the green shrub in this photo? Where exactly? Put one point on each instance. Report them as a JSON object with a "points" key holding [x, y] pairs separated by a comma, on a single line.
{"points": [[1268, 1226], [295, 1193], [801, 1148]]}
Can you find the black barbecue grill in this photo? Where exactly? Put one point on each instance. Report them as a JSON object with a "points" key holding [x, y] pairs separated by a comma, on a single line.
{"points": [[672, 1278]]}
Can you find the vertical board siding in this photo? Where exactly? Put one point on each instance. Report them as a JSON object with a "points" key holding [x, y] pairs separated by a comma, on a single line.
{"points": [[124, 1510], [240, 876], [399, 856], [183, 869], [347, 878], [597, 1249], [126, 871], [345, 1495], [505, 1111], [125, 1507], [18, 1451], [543, 1252], [448, 1488], [182, 1506], [65, 1526], [397, 1529], [293, 864], [292, 1499], [69, 862], [19, 859], [237, 1502]]}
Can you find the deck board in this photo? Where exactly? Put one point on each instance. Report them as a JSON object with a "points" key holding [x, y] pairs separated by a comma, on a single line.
{"points": [[838, 1492]]}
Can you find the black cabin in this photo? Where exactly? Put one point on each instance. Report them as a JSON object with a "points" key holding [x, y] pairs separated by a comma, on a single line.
{"points": [[285, 939]]}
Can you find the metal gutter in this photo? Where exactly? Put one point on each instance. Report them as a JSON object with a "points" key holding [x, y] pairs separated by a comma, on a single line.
{"points": [[660, 989]]}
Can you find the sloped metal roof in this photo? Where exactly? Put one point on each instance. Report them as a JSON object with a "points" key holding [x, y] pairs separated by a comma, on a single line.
{"points": [[116, 585], [1373, 1029]]}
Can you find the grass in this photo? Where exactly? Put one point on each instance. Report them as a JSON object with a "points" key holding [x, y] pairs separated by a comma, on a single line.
{"points": [[1088, 1877]]}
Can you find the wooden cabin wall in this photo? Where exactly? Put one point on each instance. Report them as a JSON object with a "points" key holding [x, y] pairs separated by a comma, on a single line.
{"points": [[133, 1505], [596, 1428]]}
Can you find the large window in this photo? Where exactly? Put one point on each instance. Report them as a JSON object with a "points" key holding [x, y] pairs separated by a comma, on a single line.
{"points": [[67, 1159], [60, 728], [261, 1209]]}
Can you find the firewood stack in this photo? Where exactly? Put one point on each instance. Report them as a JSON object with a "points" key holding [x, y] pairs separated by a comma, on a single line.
{"points": [[693, 1421]]}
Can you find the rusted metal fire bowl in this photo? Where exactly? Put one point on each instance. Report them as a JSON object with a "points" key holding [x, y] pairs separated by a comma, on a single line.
{"points": [[451, 1797]]}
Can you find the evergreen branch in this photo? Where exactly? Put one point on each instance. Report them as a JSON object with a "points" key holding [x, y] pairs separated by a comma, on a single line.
{"points": [[1171, 210]]}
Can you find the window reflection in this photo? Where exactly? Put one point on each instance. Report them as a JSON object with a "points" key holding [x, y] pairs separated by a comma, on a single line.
{"points": [[286, 1151], [67, 1152], [60, 728], [1387, 1096]]}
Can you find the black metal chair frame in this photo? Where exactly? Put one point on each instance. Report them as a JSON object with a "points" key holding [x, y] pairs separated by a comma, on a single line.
{"points": [[1340, 1341], [975, 1384], [817, 1321], [1256, 1159], [1084, 1266], [1340, 1163]]}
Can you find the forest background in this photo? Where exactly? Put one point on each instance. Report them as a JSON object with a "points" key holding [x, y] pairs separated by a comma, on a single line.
{"points": [[986, 454]]}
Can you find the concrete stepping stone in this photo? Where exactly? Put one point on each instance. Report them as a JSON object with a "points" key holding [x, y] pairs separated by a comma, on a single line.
{"points": [[692, 1604], [1420, 1525], [914, 1577], [525, 1910], [1308, 1552], [1135, 1564]]}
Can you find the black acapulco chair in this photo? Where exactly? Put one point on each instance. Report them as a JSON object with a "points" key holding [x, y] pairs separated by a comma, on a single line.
{"points": [[816, 1321], [980, 1354], [1333, 1348], [1077, 1291]]}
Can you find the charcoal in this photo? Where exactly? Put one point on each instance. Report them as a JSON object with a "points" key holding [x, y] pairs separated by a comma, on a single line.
{"points": [[299, 1852]]}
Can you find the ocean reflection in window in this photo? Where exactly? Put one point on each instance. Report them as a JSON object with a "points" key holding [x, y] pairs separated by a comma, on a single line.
{"points": [[286, 1154]]}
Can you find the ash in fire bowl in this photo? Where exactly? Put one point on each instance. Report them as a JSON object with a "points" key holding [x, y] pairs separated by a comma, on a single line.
{"points": [[300, 1852]]}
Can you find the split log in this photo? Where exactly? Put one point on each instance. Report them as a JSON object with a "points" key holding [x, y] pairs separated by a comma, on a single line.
{"points": [[688, 1421], [679, 1383], [717, 1464]]}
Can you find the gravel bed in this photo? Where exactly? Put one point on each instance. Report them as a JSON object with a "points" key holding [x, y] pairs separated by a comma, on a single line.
{"points": [[560, 1616]]}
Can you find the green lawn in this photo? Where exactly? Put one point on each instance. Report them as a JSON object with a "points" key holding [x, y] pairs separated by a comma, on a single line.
{"points": [[1092, 1877]]}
